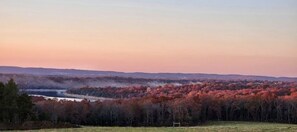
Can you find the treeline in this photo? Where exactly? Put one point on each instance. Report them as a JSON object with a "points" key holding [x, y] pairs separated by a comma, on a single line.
{"points": [[176, 91], [160, 106], [189, 104]]}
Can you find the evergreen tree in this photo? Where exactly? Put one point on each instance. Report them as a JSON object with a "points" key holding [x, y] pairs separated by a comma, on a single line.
{"points": [[2, 88], [14, 107], [10, 98]]}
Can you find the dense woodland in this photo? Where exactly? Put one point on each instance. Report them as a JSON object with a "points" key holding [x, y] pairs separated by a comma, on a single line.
{"points": [[191, 104], [176, 90]]}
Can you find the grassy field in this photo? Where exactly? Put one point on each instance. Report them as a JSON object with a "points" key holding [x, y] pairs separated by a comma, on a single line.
{"points": [[209, 127]]}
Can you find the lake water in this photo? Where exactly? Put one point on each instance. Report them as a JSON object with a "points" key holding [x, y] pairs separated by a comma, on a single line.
{"points": [[58, 98], [53, 94], [46, 92]]}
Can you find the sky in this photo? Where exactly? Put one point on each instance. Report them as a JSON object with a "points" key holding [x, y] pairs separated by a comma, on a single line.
{"points": [[251, 37]]}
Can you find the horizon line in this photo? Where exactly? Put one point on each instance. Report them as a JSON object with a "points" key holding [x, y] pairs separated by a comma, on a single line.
{"points": [[97, 70]]}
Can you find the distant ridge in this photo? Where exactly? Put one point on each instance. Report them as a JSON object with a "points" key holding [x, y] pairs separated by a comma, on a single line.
{"points": [[93, 73]]}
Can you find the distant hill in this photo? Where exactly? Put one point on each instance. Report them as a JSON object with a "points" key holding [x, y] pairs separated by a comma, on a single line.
{"points": [[173, 76]]}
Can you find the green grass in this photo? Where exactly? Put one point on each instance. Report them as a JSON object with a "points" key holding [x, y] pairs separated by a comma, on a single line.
{"points": [[209, 127]]}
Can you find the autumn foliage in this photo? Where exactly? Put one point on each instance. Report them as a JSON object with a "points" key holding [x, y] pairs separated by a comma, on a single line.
{"points": [[189, 104]]}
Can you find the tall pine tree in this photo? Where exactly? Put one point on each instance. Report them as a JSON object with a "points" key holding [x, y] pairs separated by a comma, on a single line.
{"points": [[14, 107]]}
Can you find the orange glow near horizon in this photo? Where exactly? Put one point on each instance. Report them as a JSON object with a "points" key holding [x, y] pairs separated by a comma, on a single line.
{"points": [[132, 36]]}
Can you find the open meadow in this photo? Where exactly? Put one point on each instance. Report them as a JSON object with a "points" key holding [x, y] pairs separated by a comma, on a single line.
{"points": [[209, 127]]}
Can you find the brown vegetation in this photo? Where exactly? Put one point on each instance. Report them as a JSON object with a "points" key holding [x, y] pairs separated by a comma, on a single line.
{"points": [[189, 104]]}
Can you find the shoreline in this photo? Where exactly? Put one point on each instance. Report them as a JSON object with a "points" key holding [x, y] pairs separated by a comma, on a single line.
{"points": [[87, 97]]}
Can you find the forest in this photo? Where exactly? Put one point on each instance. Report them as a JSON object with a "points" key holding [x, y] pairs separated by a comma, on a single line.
{"points": [[190, 104]]}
